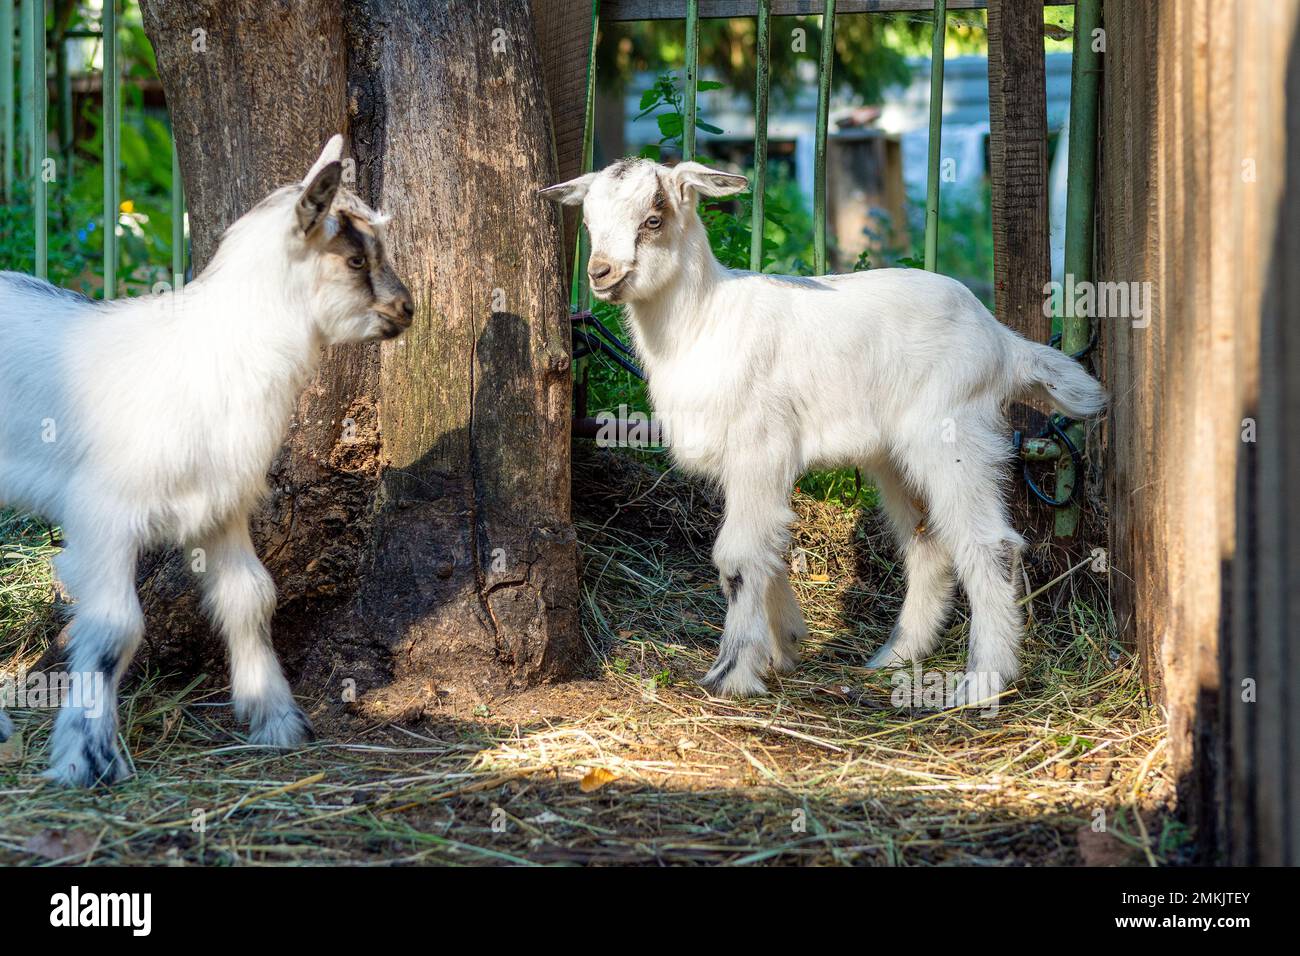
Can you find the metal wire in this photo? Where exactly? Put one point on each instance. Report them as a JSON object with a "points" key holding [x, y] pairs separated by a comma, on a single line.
{"points": [[1056, 425], [601, 341]]}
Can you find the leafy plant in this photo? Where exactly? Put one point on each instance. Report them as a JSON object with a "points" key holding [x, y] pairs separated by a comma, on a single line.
{"points": [[666, 99]]}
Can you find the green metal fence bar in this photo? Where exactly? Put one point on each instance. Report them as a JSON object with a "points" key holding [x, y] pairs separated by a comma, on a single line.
{"points": [[7, 98], [762, 85], [40, 141], [63, 76], [26, 91], [178, 220], [1080, 191], [692, 76], [823, 122], [110, 125], [936, 128], [119, 105], [581, 288]]}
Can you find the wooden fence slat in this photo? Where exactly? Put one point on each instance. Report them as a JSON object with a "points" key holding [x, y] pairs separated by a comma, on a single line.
{"points": [[1022, 259], [1200, 202], [1022, 263], [563, 30]]}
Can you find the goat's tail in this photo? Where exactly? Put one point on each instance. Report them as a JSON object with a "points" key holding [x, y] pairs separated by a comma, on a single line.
{"points": [[1057, 379]]}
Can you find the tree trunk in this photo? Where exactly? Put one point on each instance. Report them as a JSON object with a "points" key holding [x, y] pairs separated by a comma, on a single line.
{"points": [[419, 528]]}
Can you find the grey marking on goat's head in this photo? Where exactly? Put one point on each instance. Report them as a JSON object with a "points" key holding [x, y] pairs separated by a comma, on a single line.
{"points": [[356, 294]]}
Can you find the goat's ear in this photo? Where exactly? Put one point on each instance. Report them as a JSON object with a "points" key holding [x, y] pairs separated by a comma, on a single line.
{"points": [[571, 193], [316, 199], [706, 181], [332, 153]]}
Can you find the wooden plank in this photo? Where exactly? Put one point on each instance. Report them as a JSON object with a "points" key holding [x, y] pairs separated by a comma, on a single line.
{"points": [[614, 10], [1022, 263], [1267, 543], [1200, 198], [563, 30]]}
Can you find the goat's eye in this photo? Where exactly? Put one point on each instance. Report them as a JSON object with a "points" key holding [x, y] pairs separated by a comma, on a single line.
{"points": [[357, 262], [654, 222]]}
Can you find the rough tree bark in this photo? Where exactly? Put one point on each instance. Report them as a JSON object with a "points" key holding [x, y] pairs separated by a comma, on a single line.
{"points": [[419, 528]]}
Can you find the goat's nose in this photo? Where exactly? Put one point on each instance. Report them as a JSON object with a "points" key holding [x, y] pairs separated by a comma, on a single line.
{"points": [[597, 269], [404, 308]]}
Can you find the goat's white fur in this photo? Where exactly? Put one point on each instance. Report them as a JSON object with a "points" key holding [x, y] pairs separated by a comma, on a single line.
{"points": [[757, 378], [152, 421]]}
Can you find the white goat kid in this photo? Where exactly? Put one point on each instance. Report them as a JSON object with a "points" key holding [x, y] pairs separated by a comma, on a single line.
{"points": [[151, 421], [757, 378]]}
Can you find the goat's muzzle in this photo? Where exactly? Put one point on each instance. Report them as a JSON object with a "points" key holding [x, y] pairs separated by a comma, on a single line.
{"points": [[398, 313], [604, 276]]}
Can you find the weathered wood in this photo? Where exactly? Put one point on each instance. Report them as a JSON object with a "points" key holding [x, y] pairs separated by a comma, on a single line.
{"points": [[616, 10], [1022, 263], [1022, 259], [564, 40], [1199, 200], [419, 531], [475, 536], [1262, 612]]}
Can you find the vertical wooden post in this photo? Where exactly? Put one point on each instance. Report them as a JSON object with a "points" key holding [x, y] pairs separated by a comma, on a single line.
{"points": [[1022, 263], [565, 34]]}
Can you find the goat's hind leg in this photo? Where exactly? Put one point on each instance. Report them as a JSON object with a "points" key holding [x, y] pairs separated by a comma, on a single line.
{"points": [[788, 628], [239, 596], [106, 628], [928, 566], [970, 517]]}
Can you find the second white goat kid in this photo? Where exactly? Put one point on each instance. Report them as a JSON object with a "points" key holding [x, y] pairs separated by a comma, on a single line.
{"points": [[153, 420], [757, 378]]}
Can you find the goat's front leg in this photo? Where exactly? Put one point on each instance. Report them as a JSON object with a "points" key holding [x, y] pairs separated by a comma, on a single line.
{"points": [[748, 555], [239, 597], [98, 571]]}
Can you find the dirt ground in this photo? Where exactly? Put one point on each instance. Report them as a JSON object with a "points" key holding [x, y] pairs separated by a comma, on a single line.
{"points": [[637, 764]]}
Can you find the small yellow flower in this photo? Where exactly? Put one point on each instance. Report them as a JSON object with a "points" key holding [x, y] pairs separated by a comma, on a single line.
{"points": [[128, 206]]}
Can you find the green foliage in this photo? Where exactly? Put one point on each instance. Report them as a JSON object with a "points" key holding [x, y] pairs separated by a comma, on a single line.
{"points": [[965, 238], [840, 485], [76, 210], [76, 199], [665, 98]]}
